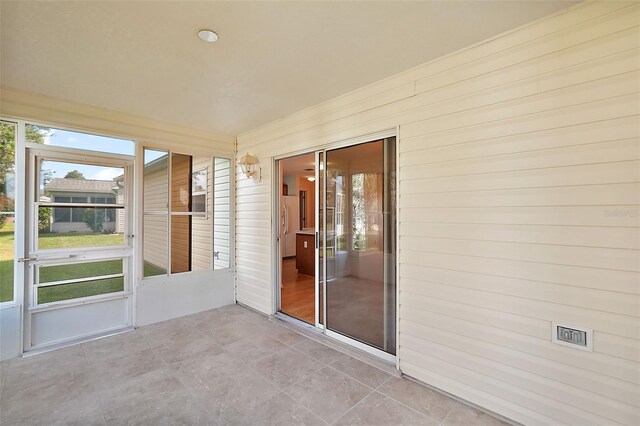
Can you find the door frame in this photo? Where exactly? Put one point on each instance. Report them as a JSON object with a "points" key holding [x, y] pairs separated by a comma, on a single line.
{"points": [[125, 251], [275, 232]]}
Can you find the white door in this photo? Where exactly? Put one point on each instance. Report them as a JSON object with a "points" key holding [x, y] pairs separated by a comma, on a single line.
{"points": [[79, 264]]}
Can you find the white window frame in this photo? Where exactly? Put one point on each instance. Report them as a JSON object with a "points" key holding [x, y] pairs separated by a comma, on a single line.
{"points": [[168, 213], [18, 214]]}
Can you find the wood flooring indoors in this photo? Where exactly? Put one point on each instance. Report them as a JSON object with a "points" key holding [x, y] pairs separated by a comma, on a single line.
{"points": [[297, 293]]}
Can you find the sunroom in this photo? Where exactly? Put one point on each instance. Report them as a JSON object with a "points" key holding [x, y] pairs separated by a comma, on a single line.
{"points": [[320, 213]]}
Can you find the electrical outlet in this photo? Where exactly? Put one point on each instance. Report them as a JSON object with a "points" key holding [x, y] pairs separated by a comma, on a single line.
{"points": [[575, 337]]}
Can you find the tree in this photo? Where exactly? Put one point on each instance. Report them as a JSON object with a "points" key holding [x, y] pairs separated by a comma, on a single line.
{"points": [[74, 174], [34, 134], [94, 218]]}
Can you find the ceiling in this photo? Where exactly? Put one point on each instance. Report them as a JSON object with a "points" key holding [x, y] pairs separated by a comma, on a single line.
{"points": [[299, 165], [272, 59]]}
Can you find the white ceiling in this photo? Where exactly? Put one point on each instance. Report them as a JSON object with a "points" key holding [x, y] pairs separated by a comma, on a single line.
{"points": [[299, 165], [272, 59]]}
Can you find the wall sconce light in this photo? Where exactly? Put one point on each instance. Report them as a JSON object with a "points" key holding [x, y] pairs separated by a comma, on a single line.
{"points": [[249, 166]]}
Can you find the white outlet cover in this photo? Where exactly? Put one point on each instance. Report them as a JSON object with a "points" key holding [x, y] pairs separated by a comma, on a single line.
{"points": [[588, 331]]}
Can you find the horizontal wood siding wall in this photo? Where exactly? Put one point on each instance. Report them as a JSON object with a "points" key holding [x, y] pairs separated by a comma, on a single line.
{"points": [[222, 220], [201, 227], [519, 183], [156, 231]]}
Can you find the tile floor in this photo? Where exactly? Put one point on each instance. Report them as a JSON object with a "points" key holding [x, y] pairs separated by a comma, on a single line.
{"points": [[227, 366]]}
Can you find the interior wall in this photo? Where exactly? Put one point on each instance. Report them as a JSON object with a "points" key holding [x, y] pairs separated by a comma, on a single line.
{"points": [[305, 185], [519, 195]]}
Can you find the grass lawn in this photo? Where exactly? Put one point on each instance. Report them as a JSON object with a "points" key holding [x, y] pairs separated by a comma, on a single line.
{"points": [[65, 272], [6, 262], [54, 240]]}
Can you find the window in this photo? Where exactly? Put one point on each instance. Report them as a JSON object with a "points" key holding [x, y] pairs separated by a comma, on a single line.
{"points": [[79, 200], [7, 209], [199, 189], [69, 139], [184, 227], [366, 193]]}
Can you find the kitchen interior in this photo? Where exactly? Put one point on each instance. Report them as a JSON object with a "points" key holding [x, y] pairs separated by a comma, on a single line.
{"points": [[297, 237]]}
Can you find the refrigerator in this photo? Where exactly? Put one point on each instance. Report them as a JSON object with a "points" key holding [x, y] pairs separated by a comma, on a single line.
{"points": [[289, 225]]}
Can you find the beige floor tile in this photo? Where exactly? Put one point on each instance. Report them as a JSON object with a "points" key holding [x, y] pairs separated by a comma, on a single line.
{"points": [[4, 369], [114, 347], [232, 394], [256, 347], [62, 399], [278, 410], [367, 374], [209, 320], [232, 332], [318, 351], [170, 333], [119, 371], [287, 336], [33, 370], [328, 393], [377, 409], [156, 398], [229, 364], [201, 374], [464, 415], [286, 367], [418, 397], [184, 350]]}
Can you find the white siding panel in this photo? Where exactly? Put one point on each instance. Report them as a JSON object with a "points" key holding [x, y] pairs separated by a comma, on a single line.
{"points": [[519, 186]]}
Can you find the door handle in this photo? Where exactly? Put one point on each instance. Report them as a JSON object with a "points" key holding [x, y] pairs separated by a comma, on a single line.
{"points": [[27, 259]]}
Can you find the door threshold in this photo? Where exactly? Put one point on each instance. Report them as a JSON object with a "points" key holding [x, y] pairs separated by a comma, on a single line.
{"points": [[297, 322], [73, 342], [345, 346]]}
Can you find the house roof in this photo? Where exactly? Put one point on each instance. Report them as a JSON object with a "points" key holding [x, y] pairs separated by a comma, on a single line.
{"points": [[80, 185]]}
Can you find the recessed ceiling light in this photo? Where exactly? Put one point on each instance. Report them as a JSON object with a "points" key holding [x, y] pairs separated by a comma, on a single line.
{"points": [[208, 36]]}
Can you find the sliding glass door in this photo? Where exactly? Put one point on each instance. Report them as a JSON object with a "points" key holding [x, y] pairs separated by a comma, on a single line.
{"points": [[357, 247]]}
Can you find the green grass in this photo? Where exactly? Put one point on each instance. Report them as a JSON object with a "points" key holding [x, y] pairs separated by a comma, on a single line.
{"points": [[66, 272], [6, 262], [54, 240], [85, 289], [150, 270]]}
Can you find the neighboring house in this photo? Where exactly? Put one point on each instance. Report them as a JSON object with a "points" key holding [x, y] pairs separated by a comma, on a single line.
{"points": [[73, 219]]}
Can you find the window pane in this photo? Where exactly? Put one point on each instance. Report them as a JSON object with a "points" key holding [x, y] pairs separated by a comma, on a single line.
{"points": [[180, 183], [61, 214], [201, 247], [180, 244], [56, 293], [79, 182], [49, 274], [69, 139], [79, 227], [199, 189], [7, 208], [221, 210], [156, 184], [7, 245], [155, 244]]}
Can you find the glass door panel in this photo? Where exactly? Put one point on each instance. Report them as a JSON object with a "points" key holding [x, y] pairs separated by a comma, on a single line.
{"points": [[320, 266], [358, 249]]}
